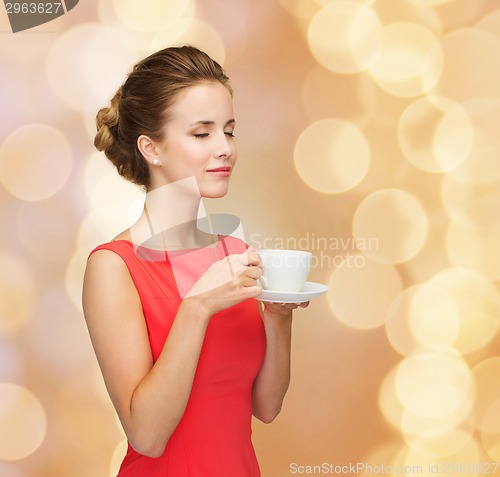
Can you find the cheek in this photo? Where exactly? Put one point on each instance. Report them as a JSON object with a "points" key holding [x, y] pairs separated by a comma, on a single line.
{"points": [[192, 155]]}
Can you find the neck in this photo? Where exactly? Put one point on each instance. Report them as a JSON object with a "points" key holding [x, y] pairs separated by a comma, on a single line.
{"points": [[170, 216]]}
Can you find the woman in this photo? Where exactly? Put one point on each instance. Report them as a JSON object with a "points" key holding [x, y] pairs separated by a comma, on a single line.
{"points": [[186, 354]]}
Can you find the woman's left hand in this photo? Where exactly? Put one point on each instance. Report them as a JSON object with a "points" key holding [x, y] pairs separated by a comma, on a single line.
{"points": [[283, 308]]}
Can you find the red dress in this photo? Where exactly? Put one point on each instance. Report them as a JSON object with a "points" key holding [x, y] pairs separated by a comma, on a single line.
{"points": [[213, 438]]}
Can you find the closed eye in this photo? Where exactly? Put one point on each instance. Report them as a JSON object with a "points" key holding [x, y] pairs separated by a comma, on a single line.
{"points": [[230, 134], [201, 135]]}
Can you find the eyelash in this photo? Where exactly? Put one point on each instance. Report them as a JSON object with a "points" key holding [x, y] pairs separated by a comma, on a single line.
{"points": [[200, 136]]}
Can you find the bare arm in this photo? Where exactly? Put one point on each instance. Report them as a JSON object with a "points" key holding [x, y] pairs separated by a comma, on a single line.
{"points": [[271, 384], [150, 399]]}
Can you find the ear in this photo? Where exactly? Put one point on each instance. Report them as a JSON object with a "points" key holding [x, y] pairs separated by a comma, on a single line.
{"points": [[148, 149]]}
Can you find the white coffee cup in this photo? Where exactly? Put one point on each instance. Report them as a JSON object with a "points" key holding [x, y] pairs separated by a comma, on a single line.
{"points": [[284, 270]]}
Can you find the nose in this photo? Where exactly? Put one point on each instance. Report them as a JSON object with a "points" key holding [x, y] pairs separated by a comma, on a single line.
{"points": [[225, 146]]}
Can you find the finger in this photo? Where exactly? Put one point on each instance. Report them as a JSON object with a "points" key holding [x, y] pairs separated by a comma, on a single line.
{"points": [[253, 272], [280, 308], [304, 304], [284, 306], [253, 258], [237, 263], [247, 281], [248, 257], [252, 291]]}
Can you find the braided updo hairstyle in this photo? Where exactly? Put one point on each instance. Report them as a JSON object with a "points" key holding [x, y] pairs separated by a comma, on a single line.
{"points": [[142, 103]]}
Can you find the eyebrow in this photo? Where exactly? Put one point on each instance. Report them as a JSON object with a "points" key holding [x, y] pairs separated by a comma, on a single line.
{"points": [[209, 123]]}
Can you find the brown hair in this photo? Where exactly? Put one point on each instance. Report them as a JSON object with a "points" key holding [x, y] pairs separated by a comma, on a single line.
{"points": [[141, 105]]}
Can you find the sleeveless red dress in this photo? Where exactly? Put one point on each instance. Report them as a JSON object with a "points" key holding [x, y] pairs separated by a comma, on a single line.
{"points": [[213, 438]]}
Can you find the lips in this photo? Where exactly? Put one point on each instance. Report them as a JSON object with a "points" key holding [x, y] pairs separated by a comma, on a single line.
{"points": [[223, 171], [220, 169]]}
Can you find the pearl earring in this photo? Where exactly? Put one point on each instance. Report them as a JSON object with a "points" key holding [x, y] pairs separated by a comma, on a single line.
{"points": [[156, 162]]}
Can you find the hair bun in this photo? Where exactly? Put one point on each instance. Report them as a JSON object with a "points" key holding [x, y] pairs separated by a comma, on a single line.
{"points": [[106, 123], [103, 139]]}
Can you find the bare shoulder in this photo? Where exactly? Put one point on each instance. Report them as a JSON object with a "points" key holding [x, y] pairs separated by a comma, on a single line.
{"points": [[109, 293], [107, 281], [104, 267], [105, 260]]}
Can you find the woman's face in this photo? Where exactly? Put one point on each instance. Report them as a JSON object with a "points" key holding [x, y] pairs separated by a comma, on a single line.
{"points": [[198, 140]]}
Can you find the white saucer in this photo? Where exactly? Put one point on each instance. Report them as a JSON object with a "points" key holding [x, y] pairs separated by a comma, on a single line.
{"points": [[309, 291]]}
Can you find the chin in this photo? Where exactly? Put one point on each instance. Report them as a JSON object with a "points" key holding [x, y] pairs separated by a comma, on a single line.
{"points": [[214, 195], [214, 192]]}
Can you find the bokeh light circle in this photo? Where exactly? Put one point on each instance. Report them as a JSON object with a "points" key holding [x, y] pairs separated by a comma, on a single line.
{"points": [[485, 375], [87, 64], [422, 315], [77, 397], [104, 186], [478, 302], [470, 205], [100, 225], [150, 15], [490, 430], [490, 424], [435, 134], [35, 162], [191, 31], [345, 36], [396, 220], [133, 39], [33, 220], [332, 156], [468, 69], [439, 442], [491, 418], [429, 3], [481, 163], [461, 462], [441, 435], [115, 204], [18, 293], [388, 400], [75, 272], [103, 223], [410, 61], [23, 422], [322, 3], [354, 300], [478, 250], [434, 382], [379, 455], [57, 336]]}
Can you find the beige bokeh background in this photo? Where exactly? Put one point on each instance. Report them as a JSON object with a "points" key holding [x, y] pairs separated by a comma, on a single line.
{"points": [[368, 133]]}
